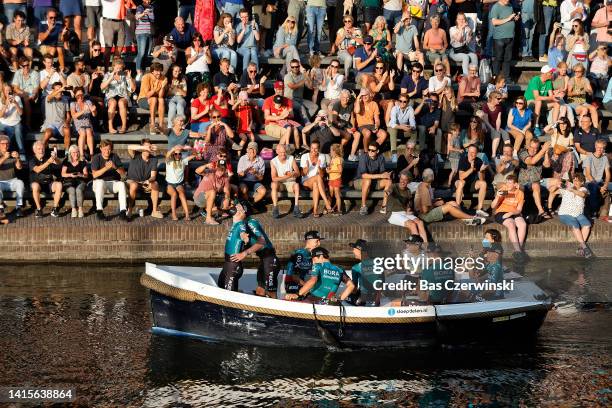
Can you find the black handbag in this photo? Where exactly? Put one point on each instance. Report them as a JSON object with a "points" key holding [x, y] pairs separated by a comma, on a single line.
{"points": [[464, 49]]}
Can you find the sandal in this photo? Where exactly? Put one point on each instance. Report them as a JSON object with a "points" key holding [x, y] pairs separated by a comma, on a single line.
{"points": [[122, 131], [316, 215], [112, 131], [328, 211], [545, 215]]}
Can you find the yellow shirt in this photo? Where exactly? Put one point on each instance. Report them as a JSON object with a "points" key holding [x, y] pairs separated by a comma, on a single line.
{"points": [[335, 168], [367, 114], [149, 83]]}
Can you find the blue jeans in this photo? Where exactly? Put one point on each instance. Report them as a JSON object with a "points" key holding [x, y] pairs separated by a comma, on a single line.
{"points": [[550, 14], [176, 107], [248, 54], [315, 17], [9, 11], [233, 10], [392, 17], [15, 133], [594, 200], [528, 26], [225, 52], [186, 11], [144, 43], [575, 222]]}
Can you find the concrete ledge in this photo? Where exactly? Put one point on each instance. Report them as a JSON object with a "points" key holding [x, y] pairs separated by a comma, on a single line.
{"points": [[88, 240]]}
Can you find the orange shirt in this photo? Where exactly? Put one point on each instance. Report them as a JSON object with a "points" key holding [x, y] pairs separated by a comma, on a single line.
{"points": [[510, 202], [368, 112]]}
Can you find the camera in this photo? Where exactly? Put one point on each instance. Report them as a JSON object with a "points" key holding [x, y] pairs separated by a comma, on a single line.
{"points": [[221, 163], [503, 193]]}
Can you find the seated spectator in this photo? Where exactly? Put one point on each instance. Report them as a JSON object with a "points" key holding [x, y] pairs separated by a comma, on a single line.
{"points": [[435, 43], [178, 135], [95, 59], [428, 124], [331, 84], [497, 84], [408, 162], [285, 45], [26, 85], [251, 169], [372, 175], [439, 82], [50, 34], [430, 210], [365, 58], [401, 207], [556, 48], [278, 114], [142, 174], [175, 93], [492, 113], [151, 97], [9, 162], [57, 116], [571, 213], [367, 117], [505, 165], [578, 90], [284, 173], [215, 181], [49, 76], [540, 93], [468, 95], [577, 45], [200, 109], [607, 99], [183, 34], [244, 110], [247, 37], [532, 160], [461, 44], [585, 137], [334, 173], [175, 177], [413, 84], [216, 137], [472, 179], [82, 111], [18, 39], [454, 150], [225, 77], [165, 54], [75, 175], [321, 129], [401, 123], [562, 142], [145, 19], [224, 40], [44, 172], [79, 78], [343, 118], [313, 166], [108, 172], [382, 40], [598, 177], [519, 124], [448, 108], [598, 72], [407, 44], [199, 58], [508, 206], [348, 38], [118, 85], [294, 82], [253, 84], [11, 109], [381, 84]]}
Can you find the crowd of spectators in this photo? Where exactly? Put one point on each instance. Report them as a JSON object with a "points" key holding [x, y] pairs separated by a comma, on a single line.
{"points": [[203, 80]]}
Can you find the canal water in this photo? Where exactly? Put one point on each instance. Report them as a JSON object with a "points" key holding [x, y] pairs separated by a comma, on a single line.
{"points": [[89, 328]]}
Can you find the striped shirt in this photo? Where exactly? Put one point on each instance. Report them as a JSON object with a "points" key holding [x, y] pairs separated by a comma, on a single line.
{"points": [[143, 24]]}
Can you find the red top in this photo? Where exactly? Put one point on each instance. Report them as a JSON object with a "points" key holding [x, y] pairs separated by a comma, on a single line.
{"points": [[244, 118], [269, 105], [225, 112], [200, 107]]}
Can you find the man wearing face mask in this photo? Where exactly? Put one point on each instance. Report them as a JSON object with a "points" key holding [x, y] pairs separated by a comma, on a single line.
{"points": [[321, 129]]}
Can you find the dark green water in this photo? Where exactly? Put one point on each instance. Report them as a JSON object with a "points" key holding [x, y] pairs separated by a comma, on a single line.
{"points": [[88, 327]]}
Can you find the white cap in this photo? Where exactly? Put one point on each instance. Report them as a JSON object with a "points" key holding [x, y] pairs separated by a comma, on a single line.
{"points": [[546, 69]]}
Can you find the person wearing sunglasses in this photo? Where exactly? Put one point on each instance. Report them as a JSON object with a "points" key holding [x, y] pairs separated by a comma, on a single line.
{"points": [[407, 44], [519, 124], [492, 113], [367, 116], [562, 141], [401, 123], [49, 37], [540, 94], [570, 11], [295, 81], [348, 38], [435, 43], [372, 175], [26, 85], [413, 84], [577, 45], [217, 135], [578, 89], [439, 81], [286, 42]]}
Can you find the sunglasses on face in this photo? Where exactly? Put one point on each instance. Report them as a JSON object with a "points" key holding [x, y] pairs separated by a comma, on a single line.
{"points": [[416, 71], [215, 117], [348, 21], [25, 66], [252, 71], [295, 66], [439, 70], [520, 103], [380, 67], [372, 150], [51, 17]]}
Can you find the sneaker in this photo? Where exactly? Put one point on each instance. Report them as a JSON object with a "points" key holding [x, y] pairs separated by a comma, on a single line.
{"points": [[275, 213], [475, 221], [17, 212], [100, 215], [203, 213], [543, 58], [80, 213], [537, 132], [138, 77], [297, 213], [588, 253], [236, 146], [363, 210], [383, 209], [515, 155], [394, 158], [157, 214], [353, 158], [38, 213], [152, 130], [123, 215], [605, 218], [55, 212], [22, 157], [482, 213], [74, 213]]}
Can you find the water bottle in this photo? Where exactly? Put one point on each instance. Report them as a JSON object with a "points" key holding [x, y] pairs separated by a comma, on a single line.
{"points": [[141, 212]]}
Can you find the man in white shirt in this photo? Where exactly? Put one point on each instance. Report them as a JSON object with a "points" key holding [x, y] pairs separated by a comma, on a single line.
{"points": [[285, 171], [571, 10], [401, 120]]}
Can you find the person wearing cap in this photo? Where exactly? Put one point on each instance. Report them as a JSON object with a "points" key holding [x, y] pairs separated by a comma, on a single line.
{"points": [[435, 275], [433, 210], [9, 162], [278, 112], [295, 81], [363, 276], [323, 285], [224, 40], [165, 54], [151, 97], [285, 45], [235, 252], [372, 175], [540, 93], [284, 171], [321, 129], [367, 116], [401, 205], [365, 58], [503, 19], [299, 266], [251, 169]]}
